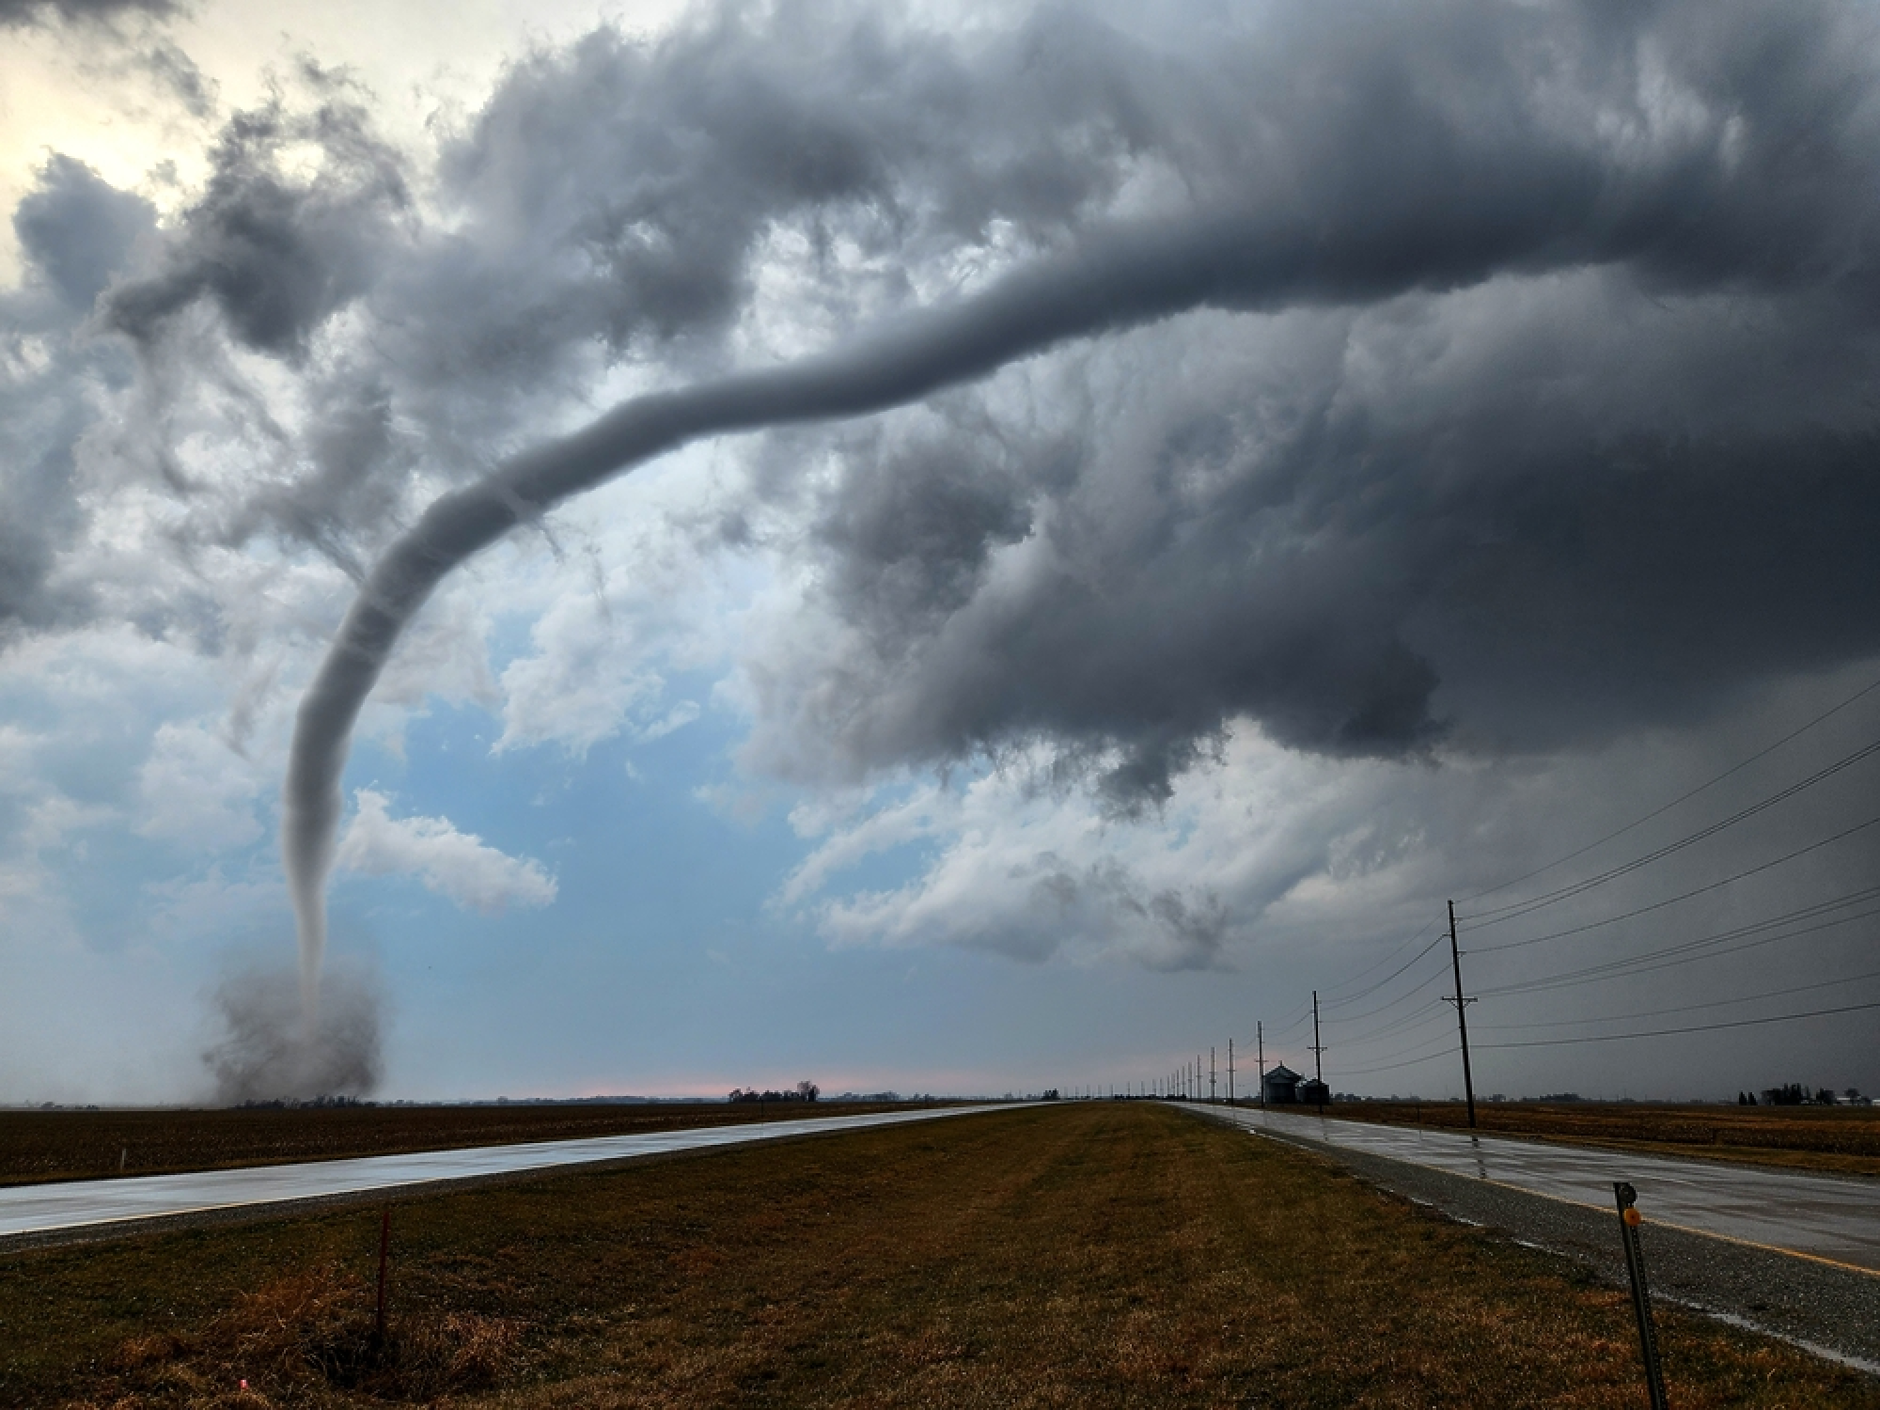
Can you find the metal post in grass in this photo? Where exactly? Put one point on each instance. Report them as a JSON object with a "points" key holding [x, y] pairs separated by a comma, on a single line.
{"points": [[385, 1250], [1629, 1220]]}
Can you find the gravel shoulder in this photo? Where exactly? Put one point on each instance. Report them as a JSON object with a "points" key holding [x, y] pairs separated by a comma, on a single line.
{"points": [[1823, 1307]]}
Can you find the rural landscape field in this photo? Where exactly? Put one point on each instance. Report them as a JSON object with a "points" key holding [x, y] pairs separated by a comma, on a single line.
{"points": [[1081, 555], [1101, 1253]]}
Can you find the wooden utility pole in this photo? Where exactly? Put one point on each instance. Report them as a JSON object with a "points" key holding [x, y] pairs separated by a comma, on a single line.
{"points": [[1462, 1022], [1210, 1074], [1259, 1038], [1230, 1071], [1318, 1048]]}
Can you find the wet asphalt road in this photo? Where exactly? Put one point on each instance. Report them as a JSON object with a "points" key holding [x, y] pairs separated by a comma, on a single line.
{"points": [[1817, 1216], [27, 1211], [1831, 1308]]}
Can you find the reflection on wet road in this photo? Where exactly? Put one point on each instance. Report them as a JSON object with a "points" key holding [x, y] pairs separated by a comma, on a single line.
{"points": [[1817, 1215], [35, 1209]]}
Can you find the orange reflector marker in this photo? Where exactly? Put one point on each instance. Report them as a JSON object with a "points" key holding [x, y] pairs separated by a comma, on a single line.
{"points": [[1629, 1220]]}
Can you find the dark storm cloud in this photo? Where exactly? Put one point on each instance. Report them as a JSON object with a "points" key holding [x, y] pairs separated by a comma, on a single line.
{"points": [[14, 13], [909, 534], [615, 195], [1513, 574], [1472, 496], [607, 203], [122, 37], [77, 229], [276, 255], [76, 232], [1651, 490]]}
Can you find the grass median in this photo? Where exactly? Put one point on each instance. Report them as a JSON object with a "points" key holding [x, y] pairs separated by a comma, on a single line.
{"points": [[1100, 1254]]}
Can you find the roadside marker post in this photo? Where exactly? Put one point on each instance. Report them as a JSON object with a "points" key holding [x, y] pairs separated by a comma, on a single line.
{"points": [[1629, 1220]]}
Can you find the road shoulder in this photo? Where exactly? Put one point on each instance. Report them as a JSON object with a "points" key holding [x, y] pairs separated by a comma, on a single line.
{"points": [[1823, 1307]]}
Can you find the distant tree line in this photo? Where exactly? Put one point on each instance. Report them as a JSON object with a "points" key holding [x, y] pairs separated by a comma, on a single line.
{"points": [[801, 1092], [301, 1103], [1795, 1094]]}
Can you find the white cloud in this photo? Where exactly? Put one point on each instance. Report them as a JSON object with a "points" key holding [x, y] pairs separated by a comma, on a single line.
{"points": [[197, 791], [581, 684], [456, 864], [677, 718], [618, 608], [1266, 845]]}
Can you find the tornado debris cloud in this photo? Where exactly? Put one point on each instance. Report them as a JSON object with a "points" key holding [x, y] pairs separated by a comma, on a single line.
{"points": [[272, 1049]]}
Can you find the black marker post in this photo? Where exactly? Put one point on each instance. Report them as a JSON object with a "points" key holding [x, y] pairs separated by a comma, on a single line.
{"points": [[1629, 1220]]}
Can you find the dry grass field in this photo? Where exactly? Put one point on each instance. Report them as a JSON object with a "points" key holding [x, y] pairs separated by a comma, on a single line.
{"points": [[85, 1145], [1087, 1254], [1844, 1140]]}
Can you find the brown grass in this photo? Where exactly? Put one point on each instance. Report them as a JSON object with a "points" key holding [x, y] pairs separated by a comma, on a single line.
{"points": [[38, 1146], [1091, 1254], [1841, 1140]]}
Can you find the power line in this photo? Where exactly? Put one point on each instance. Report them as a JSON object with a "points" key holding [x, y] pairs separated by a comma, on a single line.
{"points": [[1498, 915], [1386, 1008], [1363, 973], [1294, 1023], [1695, 1028], [1365, 993], [1684, 951], [1684, 1008], [1446, 1047], [1422, 1017], [1762, 753], [1683, 896]]}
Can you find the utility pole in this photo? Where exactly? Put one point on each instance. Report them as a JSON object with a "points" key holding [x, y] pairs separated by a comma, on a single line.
{"points": [[1462, 1023], [1318, 1048], [1230, 1071], [1210, 1074], [1259, 1038]]}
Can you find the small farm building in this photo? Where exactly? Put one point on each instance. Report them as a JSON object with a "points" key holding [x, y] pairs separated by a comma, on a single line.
{"points": [[1280, 1086]]}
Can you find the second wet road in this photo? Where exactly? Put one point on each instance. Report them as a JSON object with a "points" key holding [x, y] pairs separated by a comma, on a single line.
{"points": [[1817, 1216]]}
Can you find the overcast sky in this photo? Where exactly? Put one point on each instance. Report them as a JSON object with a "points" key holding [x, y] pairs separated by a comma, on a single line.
{"points": [[1228, 479]]}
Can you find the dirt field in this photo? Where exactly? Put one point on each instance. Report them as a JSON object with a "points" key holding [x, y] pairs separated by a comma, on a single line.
{"points": [[83, 1145], [1841, 1139], [1088, 1254]]}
